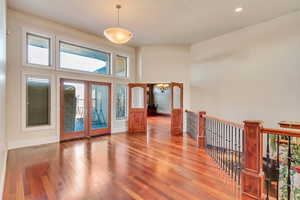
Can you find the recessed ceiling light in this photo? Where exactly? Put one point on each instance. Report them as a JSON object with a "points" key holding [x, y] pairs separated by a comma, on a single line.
{"points": [[238, 9]]}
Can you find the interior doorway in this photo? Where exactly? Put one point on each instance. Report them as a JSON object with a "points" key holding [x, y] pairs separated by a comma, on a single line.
{"points": [[155, 103], [159, 108], [85, 108]]}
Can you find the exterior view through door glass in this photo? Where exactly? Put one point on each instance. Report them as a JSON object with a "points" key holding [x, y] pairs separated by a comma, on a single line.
{"points": [[85, 108], [177, 108], [73, 109], [137, 118], [99, 115]]}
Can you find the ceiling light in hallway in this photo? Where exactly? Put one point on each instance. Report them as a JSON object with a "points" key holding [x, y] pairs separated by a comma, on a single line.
{"points": [[118, 35], [238, 9]]}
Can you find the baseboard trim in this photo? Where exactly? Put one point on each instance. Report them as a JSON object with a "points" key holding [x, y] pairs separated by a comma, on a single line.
{"points": [[2, 181], [119, 130], [29, 143]]}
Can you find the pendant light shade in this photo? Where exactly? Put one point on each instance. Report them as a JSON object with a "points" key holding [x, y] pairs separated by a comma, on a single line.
{"points": [[116, 34]]}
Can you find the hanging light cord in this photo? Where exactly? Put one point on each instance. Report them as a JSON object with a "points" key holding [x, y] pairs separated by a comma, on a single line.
{"points": [[118, 6]]}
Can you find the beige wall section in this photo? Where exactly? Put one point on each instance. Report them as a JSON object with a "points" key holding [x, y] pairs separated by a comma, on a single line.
{"points": [[251, 74], [16, 22], [3, 150], [168, 63]]}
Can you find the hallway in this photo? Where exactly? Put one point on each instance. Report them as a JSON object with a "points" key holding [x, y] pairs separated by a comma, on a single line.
{"points": [[121, 166]]}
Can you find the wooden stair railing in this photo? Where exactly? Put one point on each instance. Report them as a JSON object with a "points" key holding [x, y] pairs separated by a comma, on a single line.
{"points": [[239, 149], [222, 140]]}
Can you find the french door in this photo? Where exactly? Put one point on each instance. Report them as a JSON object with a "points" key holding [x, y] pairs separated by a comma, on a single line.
{"points": [[85, 108], [177, 108], [137, 116]]}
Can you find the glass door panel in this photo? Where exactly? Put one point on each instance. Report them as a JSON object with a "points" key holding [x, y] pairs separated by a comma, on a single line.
{"points": [[176, 97], [99, 108], [73, 99], [177, 109], [137, 97], [85, 108]]}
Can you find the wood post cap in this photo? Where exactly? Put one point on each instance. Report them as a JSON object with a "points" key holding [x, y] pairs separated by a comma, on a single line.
{"points": [[253, 122]]}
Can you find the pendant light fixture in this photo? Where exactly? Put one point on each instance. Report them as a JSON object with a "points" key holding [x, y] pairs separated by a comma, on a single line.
{"points": [[118, 35]]}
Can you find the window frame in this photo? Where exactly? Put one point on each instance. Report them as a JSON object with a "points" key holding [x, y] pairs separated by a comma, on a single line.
{"points": [[115, 102], [52, 48], [51, 125], [83, 45], [127, 66]]}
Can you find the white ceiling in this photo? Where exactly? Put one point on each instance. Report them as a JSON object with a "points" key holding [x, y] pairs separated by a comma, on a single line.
{"points": [[159, 21]]}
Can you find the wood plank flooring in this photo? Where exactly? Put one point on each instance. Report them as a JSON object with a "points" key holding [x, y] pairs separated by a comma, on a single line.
{"points": [[125, 166]]}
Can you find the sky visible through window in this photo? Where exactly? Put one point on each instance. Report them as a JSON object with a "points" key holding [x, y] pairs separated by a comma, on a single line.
{"points": [[38, 50], [84, 59]]}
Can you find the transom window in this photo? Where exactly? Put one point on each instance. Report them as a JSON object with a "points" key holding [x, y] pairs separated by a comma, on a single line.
{"points": [[121, 66], [38, 50], [83, 59]]}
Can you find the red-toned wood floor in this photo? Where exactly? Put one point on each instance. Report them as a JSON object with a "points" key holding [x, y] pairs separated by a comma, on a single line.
{"points": [[122, 166]]}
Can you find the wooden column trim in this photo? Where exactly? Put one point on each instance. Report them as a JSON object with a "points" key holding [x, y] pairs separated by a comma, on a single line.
{"points": [[201, 136], [252, 173]]}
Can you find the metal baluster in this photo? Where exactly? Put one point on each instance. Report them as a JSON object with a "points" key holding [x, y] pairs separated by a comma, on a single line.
{"points": [[227, 141], [218, 142], [223, 142], [215, 140], [216, 146], [239, 153], [211, 137], [206, 134], [289, 168], [235, 153], [268, 179], [231, 152], [278, 164]]}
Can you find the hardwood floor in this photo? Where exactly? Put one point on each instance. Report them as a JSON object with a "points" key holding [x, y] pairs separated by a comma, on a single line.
{"points": [[122, 166]]}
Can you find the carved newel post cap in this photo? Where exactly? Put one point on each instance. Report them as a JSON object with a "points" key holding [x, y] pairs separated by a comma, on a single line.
{"points": [[253, 122]]}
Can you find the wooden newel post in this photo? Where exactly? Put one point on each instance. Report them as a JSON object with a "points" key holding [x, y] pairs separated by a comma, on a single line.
{"points": [[252, 173], [201, 137]]}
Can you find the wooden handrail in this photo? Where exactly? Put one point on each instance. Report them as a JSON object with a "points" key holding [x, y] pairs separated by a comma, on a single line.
{"points": [[281, 132], [190, 111], [226, 121], [252, 175]]}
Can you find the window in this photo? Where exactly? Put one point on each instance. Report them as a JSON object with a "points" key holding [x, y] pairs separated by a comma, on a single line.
{"points": [[38, 50], [121, 66], [84, 59], [38, 101], [121, 102]]}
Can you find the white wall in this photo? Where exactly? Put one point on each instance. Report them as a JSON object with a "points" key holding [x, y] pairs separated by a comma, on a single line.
{"points": [[163, 64], [16, 21], [3, 151], [251, 74]]}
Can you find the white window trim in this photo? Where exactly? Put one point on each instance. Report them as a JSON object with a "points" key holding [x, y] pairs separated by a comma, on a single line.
{"points": [[55, 58], [115, 101], [52, 48], [51, 78], [128, 66], [84, 45]]}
